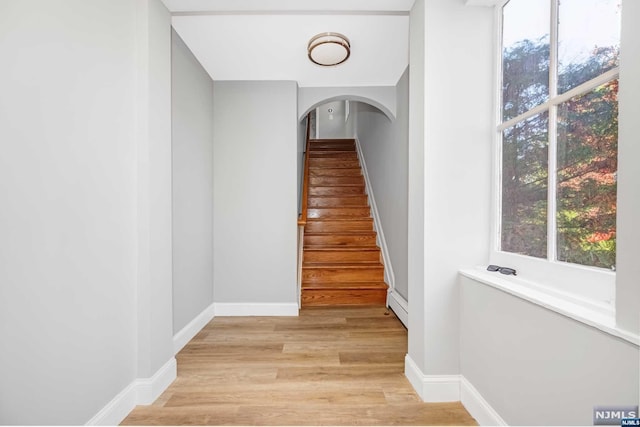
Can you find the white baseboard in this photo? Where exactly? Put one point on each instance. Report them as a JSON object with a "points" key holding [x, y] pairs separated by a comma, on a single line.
{"points": [[479, 408], [142, 391], [389, 276], [432, 388], [188, 332], [400, 307], [117, 410], [255, 309], [149, 389]]}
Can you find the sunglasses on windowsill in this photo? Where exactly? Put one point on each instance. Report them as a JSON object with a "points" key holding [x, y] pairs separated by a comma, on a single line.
{"points": [[503, 270]]}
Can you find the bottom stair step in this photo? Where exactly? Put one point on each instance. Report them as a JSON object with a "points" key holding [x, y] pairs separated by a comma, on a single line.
{"points": [[343, 296]]}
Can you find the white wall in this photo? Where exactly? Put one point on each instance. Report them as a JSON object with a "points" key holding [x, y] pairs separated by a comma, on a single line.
{"points": [[255, 200], [458, 119], [457, 167], [537, 367], [70, 128], [154, 299], [333, 125], [415, 217], [385, 148], [628, 230], [192, 171]]}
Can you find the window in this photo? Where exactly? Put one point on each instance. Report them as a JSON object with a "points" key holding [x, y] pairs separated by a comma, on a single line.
{"points": [[558, 132]]}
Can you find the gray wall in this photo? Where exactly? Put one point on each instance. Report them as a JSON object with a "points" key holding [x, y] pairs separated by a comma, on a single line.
{"points": [[537, 367], [71, 295], [192, 170], [255, 197], [385, 148]]}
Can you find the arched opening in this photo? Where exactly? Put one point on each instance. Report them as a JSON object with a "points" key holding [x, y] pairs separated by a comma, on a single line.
{"points": [[384, 99]]}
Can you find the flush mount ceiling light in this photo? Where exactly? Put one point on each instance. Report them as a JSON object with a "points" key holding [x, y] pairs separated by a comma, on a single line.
{"points": [[329, 49]]}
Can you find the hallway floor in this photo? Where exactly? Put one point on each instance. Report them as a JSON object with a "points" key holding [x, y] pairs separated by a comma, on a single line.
{"points": [[329, 366]]}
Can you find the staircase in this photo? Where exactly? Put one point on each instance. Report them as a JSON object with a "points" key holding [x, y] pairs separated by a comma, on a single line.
{"points": [[341, 262]]}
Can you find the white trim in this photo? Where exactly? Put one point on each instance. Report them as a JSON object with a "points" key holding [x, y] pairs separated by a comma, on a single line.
{"points": [[185, 334], [583, 88], [255, 309], [452, 388], [581, 311], [300, 260], [389, 276], [432, 388], [142, 391], [117, 410], [400, 306], [479, 408], [149, 389]]}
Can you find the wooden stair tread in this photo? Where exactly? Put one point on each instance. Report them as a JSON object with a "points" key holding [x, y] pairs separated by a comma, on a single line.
{"points": [[341, 233], [343, 220], [341, 207], [346, 184], [353, 248], [345, 285], [347, 265], [337, 141], [353, 265], [337, 196]]}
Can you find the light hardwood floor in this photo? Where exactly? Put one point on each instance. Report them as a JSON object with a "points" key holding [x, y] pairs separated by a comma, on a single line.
{"points": [[329, 366]]}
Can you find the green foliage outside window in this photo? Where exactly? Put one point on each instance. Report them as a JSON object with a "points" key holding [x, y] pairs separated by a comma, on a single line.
{"points": [[587, 137]]}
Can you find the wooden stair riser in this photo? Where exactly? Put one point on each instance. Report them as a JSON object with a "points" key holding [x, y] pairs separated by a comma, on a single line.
{"points": [[333, 150], [335, 172], [333, 155], [332, 297], [319, 162], [311, 256], [328, 202], [317, 146], [336, 180], [315, 143], [338, 213], [333, 239], [344, 274], [314, 226], [335, 190]]}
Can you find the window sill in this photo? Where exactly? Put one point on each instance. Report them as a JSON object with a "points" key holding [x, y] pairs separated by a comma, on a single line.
{"points": [[602, 318]]}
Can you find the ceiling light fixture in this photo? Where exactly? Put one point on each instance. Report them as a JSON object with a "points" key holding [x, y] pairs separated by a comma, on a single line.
{"points": [[328, 49]]}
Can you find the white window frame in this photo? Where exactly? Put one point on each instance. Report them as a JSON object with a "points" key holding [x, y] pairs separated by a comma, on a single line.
{"points": [[589, 287]]}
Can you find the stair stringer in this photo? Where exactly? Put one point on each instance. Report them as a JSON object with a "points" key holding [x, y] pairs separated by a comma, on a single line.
{"points": [[377, 224]]}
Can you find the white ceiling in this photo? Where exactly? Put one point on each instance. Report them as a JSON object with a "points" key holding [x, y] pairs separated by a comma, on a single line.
{"points": [[267, 39], [288, 5]]}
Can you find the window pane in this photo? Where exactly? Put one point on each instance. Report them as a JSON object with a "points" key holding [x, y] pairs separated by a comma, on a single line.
{"points": [[588, 40], [525, 56], [587, 168], [524, 187]]}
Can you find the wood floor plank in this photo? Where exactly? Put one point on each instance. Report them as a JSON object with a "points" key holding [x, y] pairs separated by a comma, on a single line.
{"points": [[328, 366]]}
